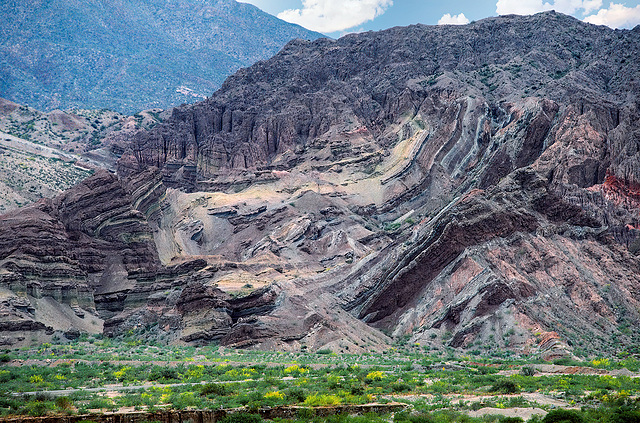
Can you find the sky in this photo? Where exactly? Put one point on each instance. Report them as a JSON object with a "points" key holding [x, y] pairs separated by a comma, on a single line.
{"points": [[339, 17]]}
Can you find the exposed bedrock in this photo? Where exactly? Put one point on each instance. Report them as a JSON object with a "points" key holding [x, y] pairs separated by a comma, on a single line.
{"points": [[366, 82], [500, 266], [474, 186], [71, 258]]}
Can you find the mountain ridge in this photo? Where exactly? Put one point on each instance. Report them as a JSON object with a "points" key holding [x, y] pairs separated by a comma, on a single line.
{"points": [[488, 81]]}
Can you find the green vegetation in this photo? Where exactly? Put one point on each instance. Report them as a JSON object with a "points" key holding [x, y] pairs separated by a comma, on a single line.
{"points": [[390, 227], [96, 375], [28, 177]]}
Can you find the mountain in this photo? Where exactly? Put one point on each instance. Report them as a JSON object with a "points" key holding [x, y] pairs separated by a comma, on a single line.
{"points": [[471, 187], [130, 55]]}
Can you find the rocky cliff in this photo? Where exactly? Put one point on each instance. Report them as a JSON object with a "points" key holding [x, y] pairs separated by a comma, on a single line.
{"points": [[474, 187], [367, 82], [71, 251]]}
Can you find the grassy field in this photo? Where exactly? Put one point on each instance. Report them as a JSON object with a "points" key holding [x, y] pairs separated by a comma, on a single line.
{"points": [[96, 375]]}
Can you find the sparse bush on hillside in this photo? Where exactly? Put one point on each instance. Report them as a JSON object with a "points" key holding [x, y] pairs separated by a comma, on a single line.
{"points": [[401, 387], [527, 371], [214, 389], [375, 375], [64, 403], [296, 395], [505, 386], [318, 400], [563, 416]]}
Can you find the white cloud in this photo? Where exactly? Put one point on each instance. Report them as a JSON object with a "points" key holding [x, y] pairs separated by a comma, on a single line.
{"points": [[572, 6], [518, 7], [616, 16], [447, 19], [335, 15], [528, 7]]}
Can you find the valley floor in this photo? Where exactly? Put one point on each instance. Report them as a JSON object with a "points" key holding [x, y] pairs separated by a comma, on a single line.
{"points": [[104, 380]]}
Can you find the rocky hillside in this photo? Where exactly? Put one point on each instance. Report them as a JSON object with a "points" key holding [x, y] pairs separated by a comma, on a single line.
{"points": [[37, 152], [43, 154], [130, 55], [473, 187]]}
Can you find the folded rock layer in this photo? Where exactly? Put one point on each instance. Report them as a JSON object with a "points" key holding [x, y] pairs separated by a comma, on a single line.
{"points": [[466, 186]]}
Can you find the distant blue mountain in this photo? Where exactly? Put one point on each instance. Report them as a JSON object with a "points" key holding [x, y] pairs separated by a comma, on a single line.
{"points": [[129, 55]]}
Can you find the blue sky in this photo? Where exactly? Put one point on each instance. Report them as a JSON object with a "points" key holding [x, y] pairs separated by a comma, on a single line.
{"points": [[339, 17]]}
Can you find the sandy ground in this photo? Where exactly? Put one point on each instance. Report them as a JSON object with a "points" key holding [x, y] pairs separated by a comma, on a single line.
{"points": [[525, 413]]}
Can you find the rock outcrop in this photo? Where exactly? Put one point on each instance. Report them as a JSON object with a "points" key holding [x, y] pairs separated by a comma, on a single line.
{"points": [[67, 249], [474, 187], [313, 91]]}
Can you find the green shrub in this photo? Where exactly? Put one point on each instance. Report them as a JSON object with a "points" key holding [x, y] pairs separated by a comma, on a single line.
{"points": [[528, 371], [566, 361], [375, 375], [625, 416], [357, 389], [43, 396], [183, 400], [401, 387], [486, 370], [325, 351], [63, 403], [505, 386], [164, 374], [306, 414], [390, 227], [131, 400], [100, 403], [37, 408], [563, 416], [219, 389], [405, 417], [316, 400], [296, 395]]}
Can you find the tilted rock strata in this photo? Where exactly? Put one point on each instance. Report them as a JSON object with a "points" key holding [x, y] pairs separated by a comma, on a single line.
{"points": [[560, 104], [365, 82], [63, 248], [464, 186]]}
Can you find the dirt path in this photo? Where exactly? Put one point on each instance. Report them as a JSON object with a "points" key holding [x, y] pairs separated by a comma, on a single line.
{"points": [[555, 370], [524, 413]]}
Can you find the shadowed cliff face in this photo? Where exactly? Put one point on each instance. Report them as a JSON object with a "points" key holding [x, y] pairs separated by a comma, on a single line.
{"points": [[464, 186]]}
